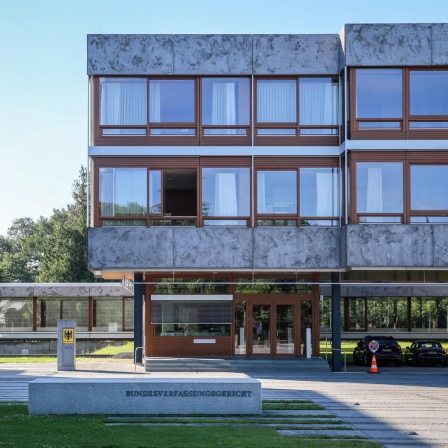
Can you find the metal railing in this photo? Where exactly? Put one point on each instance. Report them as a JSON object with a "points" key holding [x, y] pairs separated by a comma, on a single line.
{"points": [[135, 357]]}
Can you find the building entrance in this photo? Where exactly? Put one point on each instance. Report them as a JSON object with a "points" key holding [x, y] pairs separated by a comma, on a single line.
{"points": [[260, 317], [272, 327]]}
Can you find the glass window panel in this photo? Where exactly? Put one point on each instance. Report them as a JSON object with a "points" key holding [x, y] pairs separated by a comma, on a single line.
{"points": [[319, 192], [265, 285], [77, 310], [16, 314], [122, 191], [225, 101], [49, 312], [379, 125], [240, 327], [379, 219], [225, 191], [276, 131], [319, 132], [191, 286], [173, 222], [320, 222], [379, 93], [174, 132], [429, 188], [429, 219], [225, 222], [428, 125], [276, 101], [306, 321], [123, 101], [429, 92], [276, 222], [124, 132], [225, 131], [155, 191], [318, 101], [180, 192], [123, 222], [108, 314], [277, 192], [191, 312], [204, 330], [379, 187], [261, 332], [128, 313], [171, 101], [357, 314], [429, 314], [285, 329], [387, 312]]}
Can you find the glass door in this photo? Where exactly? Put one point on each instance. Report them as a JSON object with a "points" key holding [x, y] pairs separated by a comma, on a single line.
{"points": [[306, 321], [261, 329], [285, 331]]}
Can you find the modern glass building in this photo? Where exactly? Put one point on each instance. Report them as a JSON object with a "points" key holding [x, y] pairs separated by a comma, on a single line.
{"points": [[253, 186]]}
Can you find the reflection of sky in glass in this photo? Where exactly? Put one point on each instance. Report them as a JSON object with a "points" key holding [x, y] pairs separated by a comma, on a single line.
{"points": [[171, 101], [225, 191], [429, 92], [277, 192], [379, 93], [319, 192], [225, 101], [429, 189], [389, 192]]}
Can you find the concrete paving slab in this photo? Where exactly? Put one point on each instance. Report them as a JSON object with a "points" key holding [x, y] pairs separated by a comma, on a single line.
{"points": [[399, 400], [328, 433]]}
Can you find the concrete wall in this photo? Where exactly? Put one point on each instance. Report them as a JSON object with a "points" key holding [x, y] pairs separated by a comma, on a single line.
{"points": [[212, 54], [313, 248], [213, 248], [11, 290], [399, 44], [384, 245]]}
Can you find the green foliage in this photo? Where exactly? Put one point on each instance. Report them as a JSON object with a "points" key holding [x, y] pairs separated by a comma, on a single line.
{"points": [[50, 249]]}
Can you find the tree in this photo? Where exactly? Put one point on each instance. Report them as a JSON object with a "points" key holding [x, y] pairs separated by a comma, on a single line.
{"points": [[19, 257], [52, 249], [64, 239]]}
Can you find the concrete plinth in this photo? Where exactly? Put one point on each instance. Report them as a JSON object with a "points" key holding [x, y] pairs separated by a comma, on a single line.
{"points": [[145, 396]]}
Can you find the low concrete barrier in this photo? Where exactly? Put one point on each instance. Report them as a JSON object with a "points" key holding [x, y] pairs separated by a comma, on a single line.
{"points": [[144, 396]]}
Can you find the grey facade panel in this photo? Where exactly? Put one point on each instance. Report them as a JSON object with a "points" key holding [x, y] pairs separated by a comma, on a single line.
{"points": [[130, 248], [208, 248], [298, 248], [388, 291], [354, 246], [440, 44], [23, 290], [16, 290], [213, 54], [440, 232], [311, 54], [389, 245], [213, 248], [399, 44], [130, 54]]}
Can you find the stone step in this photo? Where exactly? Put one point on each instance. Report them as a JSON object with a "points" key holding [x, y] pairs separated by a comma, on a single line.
{"points": [[236, 364]]}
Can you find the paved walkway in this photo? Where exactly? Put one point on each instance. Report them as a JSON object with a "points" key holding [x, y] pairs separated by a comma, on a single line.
{"points": [[396, 408]]}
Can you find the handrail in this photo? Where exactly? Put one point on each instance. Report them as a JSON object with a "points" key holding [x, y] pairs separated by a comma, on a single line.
{"points": [[135, 357]]}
